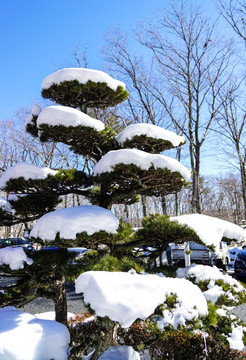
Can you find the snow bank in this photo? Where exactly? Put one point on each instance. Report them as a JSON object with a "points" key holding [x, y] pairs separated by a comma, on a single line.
{"points": [[125, 297], [27, 171], [210, 229], [149, 130], [14, 257], [82, 76], [67, 116], [139, 158], [120, 353], [5, 205], [24, 337], [71, 221]]}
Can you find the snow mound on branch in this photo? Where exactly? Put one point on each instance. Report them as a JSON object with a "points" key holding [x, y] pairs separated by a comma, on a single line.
{"points": [[5, 205], [67, 116], [149, 130], [82, 76], [210, 229], [14, 257], [27, 171], [36, 110], [71, 221], [139, 158], [126, 297], [122, 352], [24, 337]]}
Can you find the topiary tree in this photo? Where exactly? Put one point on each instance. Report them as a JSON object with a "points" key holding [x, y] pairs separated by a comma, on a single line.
{"points": [[122, 167]]}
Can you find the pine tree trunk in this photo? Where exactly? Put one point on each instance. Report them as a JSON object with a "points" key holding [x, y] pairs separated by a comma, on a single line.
{"points": [[108, 339], [60, 298], [104, 199]]}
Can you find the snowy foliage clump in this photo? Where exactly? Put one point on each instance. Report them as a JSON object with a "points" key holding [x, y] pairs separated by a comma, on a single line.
{"points": [[210, 229], [201, 273], [71, 221], [27, 171], [15, 257], [5, 205], [82, 76], [150, 130], [212, 274], [126, 297], [67, 116], [25, 337], [139, 158], [219, 286]]}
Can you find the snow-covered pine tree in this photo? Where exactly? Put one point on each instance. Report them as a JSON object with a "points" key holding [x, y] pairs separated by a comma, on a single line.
{"points": [[123, 166]]}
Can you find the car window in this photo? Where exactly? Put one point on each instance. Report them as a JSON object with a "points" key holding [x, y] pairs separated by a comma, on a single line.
{"points": [[5, 243]]}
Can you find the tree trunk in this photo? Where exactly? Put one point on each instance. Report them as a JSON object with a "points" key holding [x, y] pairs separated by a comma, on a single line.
{"points": [[60, 298], [195, 202], [144, 205], [176, 204], [164, 205], [104, 198], [108, 339]]}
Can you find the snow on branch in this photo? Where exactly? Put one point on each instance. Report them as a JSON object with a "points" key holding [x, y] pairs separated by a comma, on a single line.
{"points": [[82, 76], [67, 116], [14, 257], [71, 221], [211, 230], [139, 158], [126, 297], [27, 171], [149, 130]]}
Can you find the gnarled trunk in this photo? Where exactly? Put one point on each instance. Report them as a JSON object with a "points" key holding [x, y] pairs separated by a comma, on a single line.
{"points": [[60, 298]]}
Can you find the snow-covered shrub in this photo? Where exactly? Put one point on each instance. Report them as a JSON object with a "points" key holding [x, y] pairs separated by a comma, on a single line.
{"points": [[180, 345], [222, 293], [219, 288]]}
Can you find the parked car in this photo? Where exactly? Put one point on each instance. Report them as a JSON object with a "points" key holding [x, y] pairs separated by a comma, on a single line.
{"points": [[240, 263], [200, 254], [25, 243], [78, 251]]}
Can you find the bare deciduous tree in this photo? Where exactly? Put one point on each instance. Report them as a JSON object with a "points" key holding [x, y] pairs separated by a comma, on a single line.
{"points": [[234, 12], [193, 65], [232, 122]]}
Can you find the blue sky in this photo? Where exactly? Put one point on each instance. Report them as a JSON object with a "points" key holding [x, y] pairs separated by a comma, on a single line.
{"points": [[39, 36]]}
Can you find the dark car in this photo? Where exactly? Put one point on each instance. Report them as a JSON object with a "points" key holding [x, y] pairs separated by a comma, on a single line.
{"points": [[240, 263], [25, 243]]}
